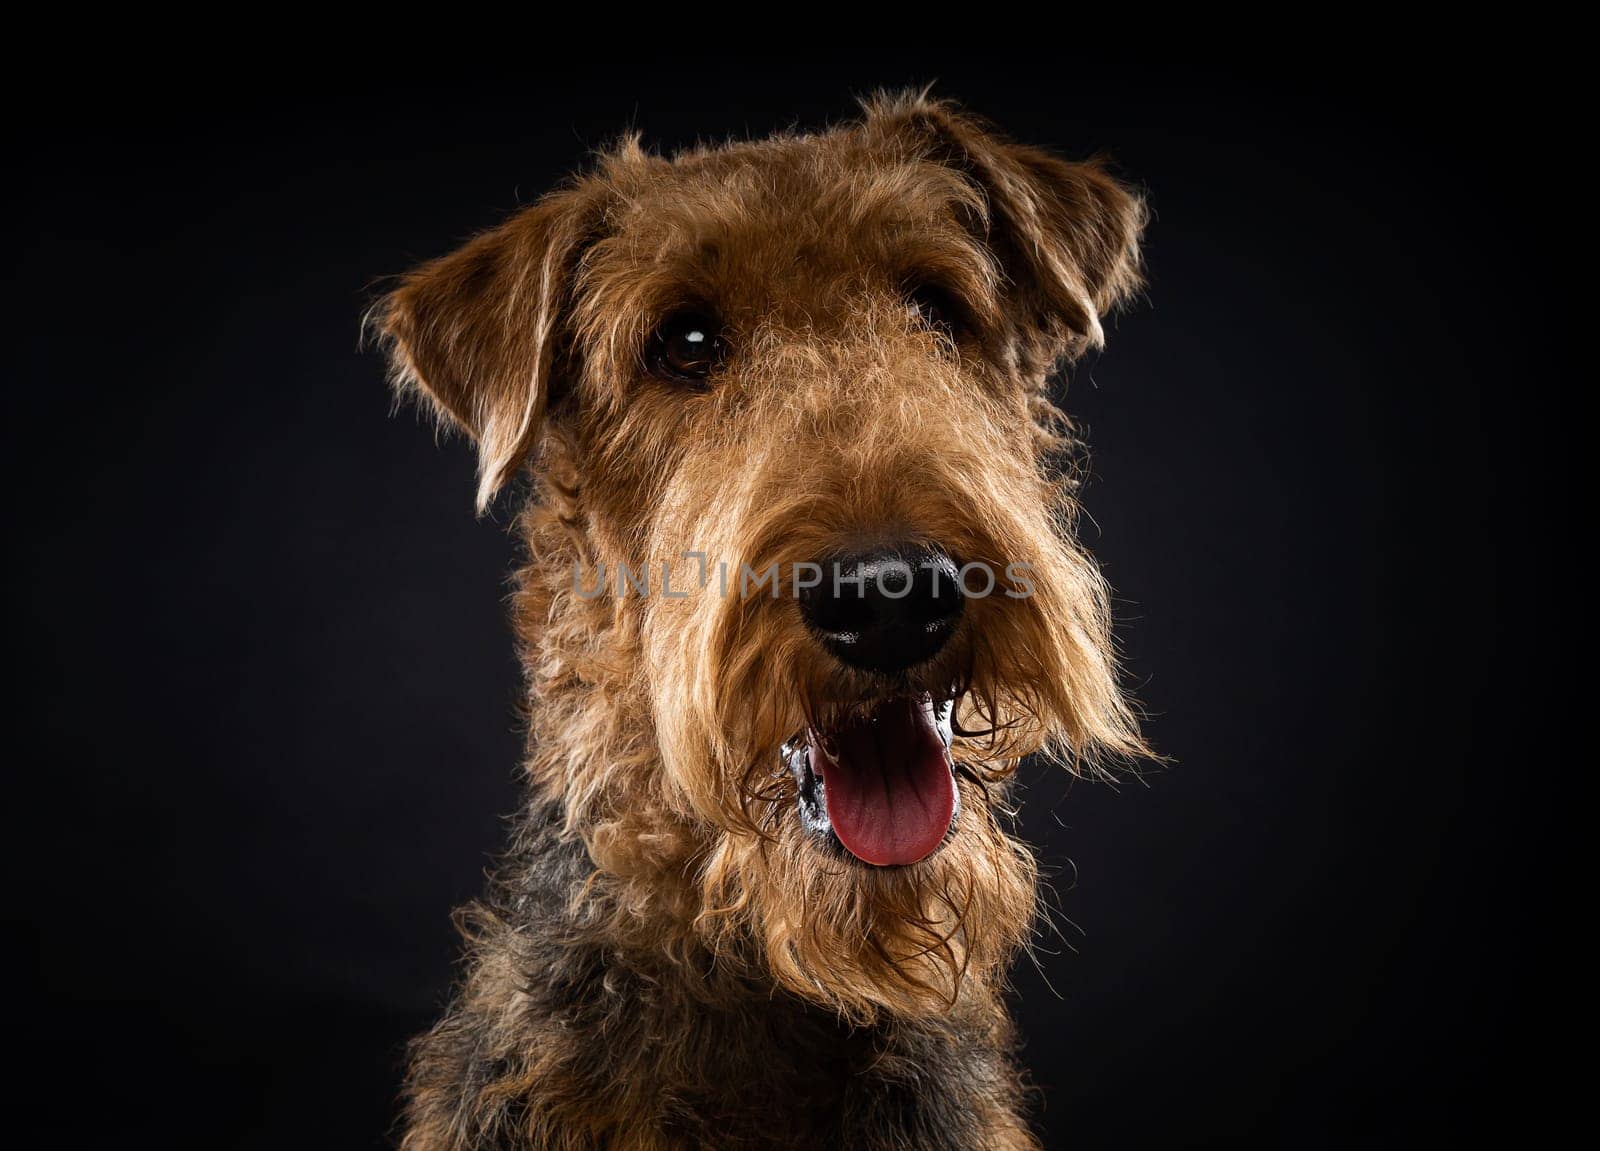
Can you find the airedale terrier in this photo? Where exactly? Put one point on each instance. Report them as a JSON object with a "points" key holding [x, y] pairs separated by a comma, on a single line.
{"points": [[801, 589]]}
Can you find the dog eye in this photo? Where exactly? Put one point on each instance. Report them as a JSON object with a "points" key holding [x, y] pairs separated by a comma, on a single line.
{"points": [[939, 310], [688, 346]]}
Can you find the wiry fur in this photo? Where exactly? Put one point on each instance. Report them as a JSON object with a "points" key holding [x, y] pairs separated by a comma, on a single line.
{"points": [[667, 958]]}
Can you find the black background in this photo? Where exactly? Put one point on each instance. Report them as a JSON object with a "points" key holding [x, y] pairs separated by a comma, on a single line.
{"points": [[266, 720]]}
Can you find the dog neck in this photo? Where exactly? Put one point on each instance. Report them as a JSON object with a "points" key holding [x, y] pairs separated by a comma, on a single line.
{"points": [[568, 1017]]}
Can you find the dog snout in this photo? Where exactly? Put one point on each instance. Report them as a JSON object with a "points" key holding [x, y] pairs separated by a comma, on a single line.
{"points": [[886, 609]]}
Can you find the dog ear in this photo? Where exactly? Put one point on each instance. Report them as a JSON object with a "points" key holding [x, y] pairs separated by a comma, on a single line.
{"points": [[1066, 233], [476, 331]]}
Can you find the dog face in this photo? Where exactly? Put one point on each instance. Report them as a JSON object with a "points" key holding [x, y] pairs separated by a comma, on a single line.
{"points": [[803, 587]]}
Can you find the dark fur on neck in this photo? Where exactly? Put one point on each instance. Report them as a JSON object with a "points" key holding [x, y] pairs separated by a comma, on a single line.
{"points": [[559, 1037]]}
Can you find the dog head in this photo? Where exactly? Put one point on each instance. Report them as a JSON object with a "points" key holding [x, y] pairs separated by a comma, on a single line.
{"points": [[803, 586]]}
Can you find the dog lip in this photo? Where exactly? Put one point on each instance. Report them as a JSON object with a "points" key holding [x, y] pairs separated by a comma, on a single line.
{"points": [[811, 780], [944, 714]]}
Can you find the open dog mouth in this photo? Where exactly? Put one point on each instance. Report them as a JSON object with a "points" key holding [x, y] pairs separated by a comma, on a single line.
{"points": [[881, 781]]}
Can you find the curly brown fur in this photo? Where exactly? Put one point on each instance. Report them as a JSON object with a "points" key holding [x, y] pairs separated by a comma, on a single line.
{"points": [[668, 957]]}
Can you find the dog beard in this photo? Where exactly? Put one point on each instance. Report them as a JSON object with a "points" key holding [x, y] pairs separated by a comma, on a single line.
{"points": [[864, 939]]}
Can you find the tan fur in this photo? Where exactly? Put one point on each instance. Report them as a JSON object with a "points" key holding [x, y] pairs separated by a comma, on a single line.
{"points": [[655, 722]]}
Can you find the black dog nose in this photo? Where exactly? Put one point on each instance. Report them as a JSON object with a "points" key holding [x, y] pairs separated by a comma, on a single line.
{"points": [[885, 610]]}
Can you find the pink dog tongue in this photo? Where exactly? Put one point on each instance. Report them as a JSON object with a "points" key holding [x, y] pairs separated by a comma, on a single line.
{"points": [[887, 782]]}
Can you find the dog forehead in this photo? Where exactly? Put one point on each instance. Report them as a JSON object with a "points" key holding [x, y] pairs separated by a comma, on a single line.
{"points": [[821, 207]]}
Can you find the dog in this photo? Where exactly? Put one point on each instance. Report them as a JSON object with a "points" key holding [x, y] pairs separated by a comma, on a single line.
{"points": [[801, 590]]}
